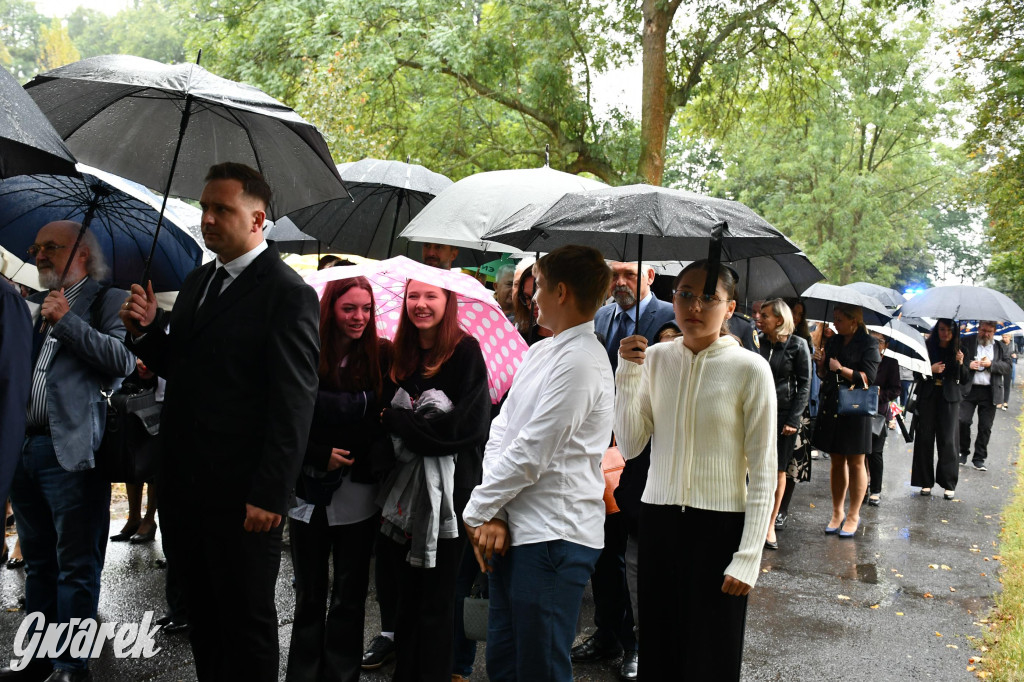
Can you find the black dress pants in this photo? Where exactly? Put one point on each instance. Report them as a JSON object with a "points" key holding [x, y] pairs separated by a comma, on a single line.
{"points": [[692, 630], [388, 557], [327, 642], [875, 465], [229, 579], [613, 615], [938, 426], [980, 397]]}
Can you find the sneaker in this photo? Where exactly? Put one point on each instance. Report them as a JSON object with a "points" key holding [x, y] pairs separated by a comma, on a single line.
{"points": [[377, 654], [980, 467], [963, 461]]}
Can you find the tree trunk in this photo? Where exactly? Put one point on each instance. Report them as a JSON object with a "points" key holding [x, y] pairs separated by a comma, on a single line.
{"points": [[654, 116]]}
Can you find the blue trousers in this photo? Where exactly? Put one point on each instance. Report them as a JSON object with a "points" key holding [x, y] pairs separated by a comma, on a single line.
{"points": [[535, 592], [63, 521]]}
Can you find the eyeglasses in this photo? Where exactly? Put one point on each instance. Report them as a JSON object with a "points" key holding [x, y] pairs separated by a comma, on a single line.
{"points": [[48, 247], [703, 300]]}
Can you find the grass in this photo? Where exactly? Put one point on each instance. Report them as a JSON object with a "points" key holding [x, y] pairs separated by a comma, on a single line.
{"points": [[1002, 653]]}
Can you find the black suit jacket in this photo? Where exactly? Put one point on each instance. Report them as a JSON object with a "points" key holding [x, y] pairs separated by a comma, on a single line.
{"points": [[1000, 364], [241, 384]]}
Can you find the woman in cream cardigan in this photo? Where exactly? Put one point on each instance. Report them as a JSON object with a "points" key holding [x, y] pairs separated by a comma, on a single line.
{"points": [[710, 408]]}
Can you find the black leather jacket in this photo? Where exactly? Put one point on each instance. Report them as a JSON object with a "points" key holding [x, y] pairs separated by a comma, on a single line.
{"points": [[790, 361]]}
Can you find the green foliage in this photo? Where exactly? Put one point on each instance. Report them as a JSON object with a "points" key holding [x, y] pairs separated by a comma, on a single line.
{"points": [[990, 40], [145, 29], [57, 48], [20, 37], [835, 144]]}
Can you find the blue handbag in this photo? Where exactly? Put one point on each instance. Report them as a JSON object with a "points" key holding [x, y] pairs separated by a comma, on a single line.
{"points": [[858, 402]]}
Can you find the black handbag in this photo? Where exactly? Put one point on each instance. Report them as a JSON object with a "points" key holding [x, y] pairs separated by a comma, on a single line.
{"points": [[129, 452], [858, 402]]}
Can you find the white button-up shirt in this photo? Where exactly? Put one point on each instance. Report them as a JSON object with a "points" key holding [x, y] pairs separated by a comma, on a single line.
{"points": [[983, 377], [542, 463], [234, 268]]}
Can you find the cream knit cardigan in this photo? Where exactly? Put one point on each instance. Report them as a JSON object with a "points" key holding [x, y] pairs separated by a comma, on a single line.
{"points": [[712, 420]]}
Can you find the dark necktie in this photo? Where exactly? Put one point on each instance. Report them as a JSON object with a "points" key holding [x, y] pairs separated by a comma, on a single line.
{"points": [[213, 292], [623, 329]]}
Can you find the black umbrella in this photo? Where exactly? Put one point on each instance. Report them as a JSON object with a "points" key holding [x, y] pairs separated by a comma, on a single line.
{"points": [[820, 299], [962, 302], [786, 275], [889, 297], [386, 195], [290, 239], [615, 220], [142, 119], [28, 142]]}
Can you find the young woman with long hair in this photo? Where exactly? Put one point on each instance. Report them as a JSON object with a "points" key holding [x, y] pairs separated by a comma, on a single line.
{"points": [[336, 519], [433, 354], [710, 406], [525, 310]]}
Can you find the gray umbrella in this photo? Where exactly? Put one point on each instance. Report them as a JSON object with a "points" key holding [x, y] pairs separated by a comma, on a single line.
{"points": [[28, 142], [962, 302], [820, 299], [386, 196], [677, 225], [289, 238], [889, 297], [113, 108]]}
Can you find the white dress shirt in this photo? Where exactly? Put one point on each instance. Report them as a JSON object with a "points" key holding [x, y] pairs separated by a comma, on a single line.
{"points": [[983, 377], [234, 268], [542, 463]]}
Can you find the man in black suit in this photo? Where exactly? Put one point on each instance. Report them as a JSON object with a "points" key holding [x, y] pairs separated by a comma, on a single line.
{"points": [[240, 357], [985, 359], [15, 379]]}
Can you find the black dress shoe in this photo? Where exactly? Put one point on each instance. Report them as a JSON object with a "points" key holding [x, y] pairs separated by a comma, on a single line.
{"points": [[630, 663], [163, 620], [175, 627], [780, 521], [768, 544], [124, 535], [143, 538], [377, 654], [37, 670], [70, 676], [592, 650]]}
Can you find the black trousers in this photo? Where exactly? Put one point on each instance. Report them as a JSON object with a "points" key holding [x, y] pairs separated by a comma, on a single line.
{"points": [[425, 622], [327, 642], [389, 557], [938, 426], [875, 467], [692, 630], [980, 397], [229, 578], [613, 614]]}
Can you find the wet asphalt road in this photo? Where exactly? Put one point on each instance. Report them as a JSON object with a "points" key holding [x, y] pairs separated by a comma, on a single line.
{"points": [[812, 615]]}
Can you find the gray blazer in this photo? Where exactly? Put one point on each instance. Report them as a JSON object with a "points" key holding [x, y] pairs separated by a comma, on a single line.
{"points": [[87, 362], [657, 315]]}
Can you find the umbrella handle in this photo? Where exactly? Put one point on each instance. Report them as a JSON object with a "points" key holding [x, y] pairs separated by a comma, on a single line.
{"points": [[639, 274], [714, 258]]}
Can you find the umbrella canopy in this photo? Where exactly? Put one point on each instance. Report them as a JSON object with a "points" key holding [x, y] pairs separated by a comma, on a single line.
{"points": [[110, 109], [784, 275], [123, 225], [289, 238], [971, 328], [820, 299], [962, 302], [386, 196], [28, 142], [479, 314], [889, 297], [615, 220], [461, 214], [906, 345]]}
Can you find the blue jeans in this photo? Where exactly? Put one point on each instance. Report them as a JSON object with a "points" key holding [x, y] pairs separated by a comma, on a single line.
{"points": [[535, 592], [63, 520]]}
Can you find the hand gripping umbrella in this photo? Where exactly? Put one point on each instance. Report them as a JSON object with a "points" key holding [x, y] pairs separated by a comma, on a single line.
{"points": [[140, 119], [28, 142], [616, 221]]}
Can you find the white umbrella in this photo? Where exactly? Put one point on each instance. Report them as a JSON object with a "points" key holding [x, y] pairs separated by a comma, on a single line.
{"points": [[906, 346], [463, 212]]}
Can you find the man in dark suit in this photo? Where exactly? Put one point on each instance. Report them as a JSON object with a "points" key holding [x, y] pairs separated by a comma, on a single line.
{"points": [[613, 615], [240, 358], [986, 359], [15, 371]]}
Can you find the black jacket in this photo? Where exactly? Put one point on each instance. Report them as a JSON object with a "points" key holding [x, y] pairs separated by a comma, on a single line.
{"points": [[953, 378], [888, 381], [462, 431], [1001, 364], [241, 383], [790, 361], [860, 354]]}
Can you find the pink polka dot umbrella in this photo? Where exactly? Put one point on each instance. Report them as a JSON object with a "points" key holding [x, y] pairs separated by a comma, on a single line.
{"points": [[479, 314]]}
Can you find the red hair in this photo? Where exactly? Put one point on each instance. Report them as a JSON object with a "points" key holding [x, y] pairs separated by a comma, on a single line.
{"points": [[407, 347], [362, 371]]}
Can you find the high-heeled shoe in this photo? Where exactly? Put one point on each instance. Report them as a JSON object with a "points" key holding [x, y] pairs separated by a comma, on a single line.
{"points": [[848, 534], [874, 500], [925, 492], [143, 538], [832, 530], [949, 494], [125, 533]]}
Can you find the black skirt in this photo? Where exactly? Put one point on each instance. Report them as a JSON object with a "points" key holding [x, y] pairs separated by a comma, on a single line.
{"points": [[840, 435]]}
